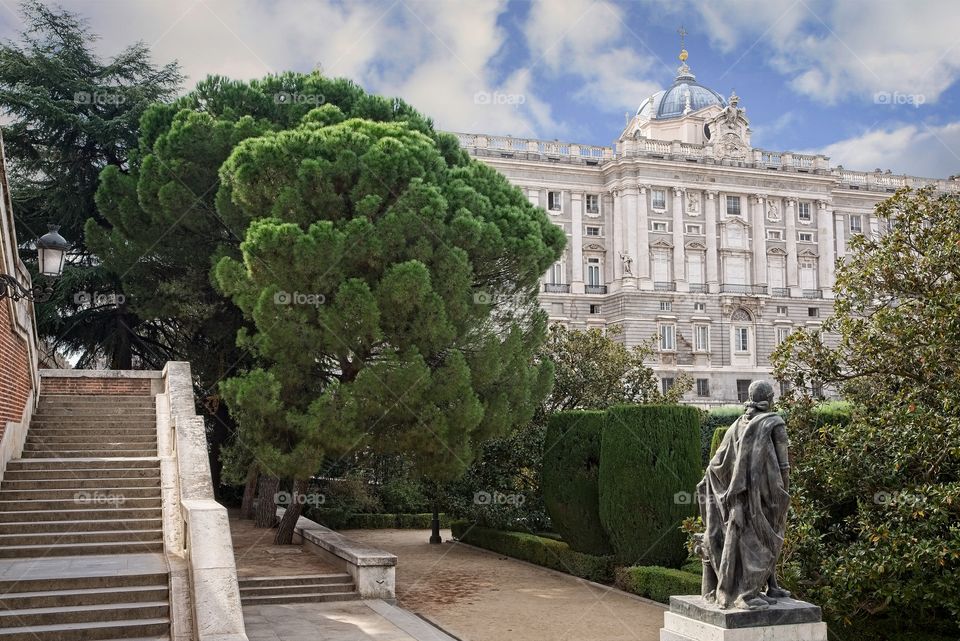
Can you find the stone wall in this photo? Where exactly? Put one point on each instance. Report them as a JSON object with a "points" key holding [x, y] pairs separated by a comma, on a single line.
{"points": [[15, 379], [96, 386]]}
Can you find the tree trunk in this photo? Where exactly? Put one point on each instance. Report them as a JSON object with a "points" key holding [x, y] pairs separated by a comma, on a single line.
{"points": [[266, 514], [435, 525], [249, 494], [294, 509]]}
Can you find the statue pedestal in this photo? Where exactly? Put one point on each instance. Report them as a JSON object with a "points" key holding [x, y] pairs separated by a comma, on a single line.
{"points": [[691, 618]]}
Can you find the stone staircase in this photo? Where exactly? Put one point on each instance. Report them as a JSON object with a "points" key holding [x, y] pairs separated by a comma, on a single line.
{"points": [[81, 540], [314, 588]]}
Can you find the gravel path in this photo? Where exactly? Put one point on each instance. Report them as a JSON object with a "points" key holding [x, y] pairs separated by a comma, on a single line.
{"points": [[481, 596]]}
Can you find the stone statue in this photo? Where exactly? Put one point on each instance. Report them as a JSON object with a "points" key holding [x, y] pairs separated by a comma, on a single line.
{"points": [[743, 499], [627, 264]]}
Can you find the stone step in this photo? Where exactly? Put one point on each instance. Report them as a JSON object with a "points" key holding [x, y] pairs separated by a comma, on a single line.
{"points": [[39, 528], [80, 484], [61, 473], [10, 587], [94, 399], [103, 514], [84, 597], [299, 598], [88, 433], [91, 613], [302, 579], [110, 413], [95, 631], [76, 436], [89, 446], [78, 549], [307, 588], [91, 463], [88, 502], [95, 536], [92, 422], [105, 453], [83, 495]]}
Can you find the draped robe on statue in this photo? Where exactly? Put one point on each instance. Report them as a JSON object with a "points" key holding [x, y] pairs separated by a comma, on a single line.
{"points": [[744, 504]]}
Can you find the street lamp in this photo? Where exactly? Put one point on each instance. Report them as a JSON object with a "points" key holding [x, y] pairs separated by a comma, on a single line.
{"points": [[51, 252]]}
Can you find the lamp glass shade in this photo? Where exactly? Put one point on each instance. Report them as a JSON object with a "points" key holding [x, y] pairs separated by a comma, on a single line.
{"points": [[51, 251]]}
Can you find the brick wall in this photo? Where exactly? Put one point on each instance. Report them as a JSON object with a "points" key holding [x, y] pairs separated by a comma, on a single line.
{"points": [[98, 386], [14, 371]]}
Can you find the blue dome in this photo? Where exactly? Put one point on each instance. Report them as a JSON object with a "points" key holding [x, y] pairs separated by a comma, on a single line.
{"points": [[672, 102]]}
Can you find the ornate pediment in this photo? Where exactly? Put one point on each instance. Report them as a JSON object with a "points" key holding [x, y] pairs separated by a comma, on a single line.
{"points": [[594, 247], [808, 252], [734, 221], [696, 245], [662, 244], [777, 251]]}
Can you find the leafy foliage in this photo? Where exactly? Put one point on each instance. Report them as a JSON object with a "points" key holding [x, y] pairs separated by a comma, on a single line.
{"points": [[712, 421], [657, 583], [874, 532], [571, 493], [649, 467]]}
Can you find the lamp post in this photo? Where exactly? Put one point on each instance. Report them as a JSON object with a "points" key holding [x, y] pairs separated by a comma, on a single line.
{"points": [[51, 252]]}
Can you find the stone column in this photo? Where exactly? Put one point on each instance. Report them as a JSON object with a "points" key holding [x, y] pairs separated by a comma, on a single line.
{"points": [[759, 241], [643, 250], [616, 240], [576, 240], [793, 276], [840, 228], [825, 249], [710, 205], [630, 194], [679, 255]]}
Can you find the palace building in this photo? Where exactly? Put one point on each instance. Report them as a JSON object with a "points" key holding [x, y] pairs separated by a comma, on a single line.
{"points": [[684, 231]]}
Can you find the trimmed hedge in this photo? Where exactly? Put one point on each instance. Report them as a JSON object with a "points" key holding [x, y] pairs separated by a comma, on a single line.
{"points": [[337, 519], [539, 550], [649, 470], [717, 439], [657, 583], [571, 463], [711, 421]]}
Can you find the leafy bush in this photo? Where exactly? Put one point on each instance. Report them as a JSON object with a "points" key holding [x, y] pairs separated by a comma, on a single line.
{"points": [[649, 469], [535, 549], [337, 519], [571, 464], [711, 421], [657, 583], [716, 440]]}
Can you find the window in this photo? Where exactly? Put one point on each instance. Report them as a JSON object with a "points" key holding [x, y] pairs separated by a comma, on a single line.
{"points": [[666, 306], [856, 224], [699, 307], [594, 309], [668, 335], [774, 234], [658, 226], [658, 199], [666, 383], [816, 389], [743, 390], [784, 388], [694, 229], [741, 336], [553, 200], [703, 387], [781, 310], [735, 270], [695, 262], [808, 273], [556, 274], [593, 272], [593, 231], [701, 338], [593, 204], [556, 309], [803, 212], [735, 237], [776, 271], [782, 333], [733, 205], [805, 237], [813, 312], [661, 266]]}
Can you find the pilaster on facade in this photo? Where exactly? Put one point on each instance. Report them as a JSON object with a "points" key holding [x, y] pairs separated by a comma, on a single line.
{"points": [[759, 244], [710, 221], [643, 240], [825, 249], [576, 241], [793, 277], [679, 266]]}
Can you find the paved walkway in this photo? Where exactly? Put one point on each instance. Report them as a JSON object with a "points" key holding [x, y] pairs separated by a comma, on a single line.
{"points": [[477, 595], [256, 555]]}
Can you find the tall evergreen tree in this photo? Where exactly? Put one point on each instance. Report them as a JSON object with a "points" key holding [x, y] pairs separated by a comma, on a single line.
{"points": [[73, 114]]}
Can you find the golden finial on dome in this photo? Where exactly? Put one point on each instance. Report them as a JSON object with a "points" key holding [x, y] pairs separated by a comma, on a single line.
{"points": [[683, 50], [683, 55]]}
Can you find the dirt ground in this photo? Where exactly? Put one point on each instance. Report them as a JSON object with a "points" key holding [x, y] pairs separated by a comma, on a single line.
{"points": [[256, 555], [481, 596]]}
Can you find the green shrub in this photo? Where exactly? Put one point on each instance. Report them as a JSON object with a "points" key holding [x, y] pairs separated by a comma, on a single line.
{"points": [[657, 583], [338, 519], [710, 422], [694, 566], [649, 469], [571, 462], [539, 550], [717, 440]]}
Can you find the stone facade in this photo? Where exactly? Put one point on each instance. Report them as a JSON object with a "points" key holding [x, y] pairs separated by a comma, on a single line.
{"points": [[684, 232]]}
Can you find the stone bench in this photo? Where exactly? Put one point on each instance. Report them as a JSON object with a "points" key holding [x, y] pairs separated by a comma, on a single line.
{"points": [[372, 569]]}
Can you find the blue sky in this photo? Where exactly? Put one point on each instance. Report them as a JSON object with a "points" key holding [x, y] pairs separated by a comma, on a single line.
{"points": [[871, 83]]}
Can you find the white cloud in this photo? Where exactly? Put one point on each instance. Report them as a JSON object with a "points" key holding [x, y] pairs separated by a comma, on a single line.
{"points": [[918, 150]]}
